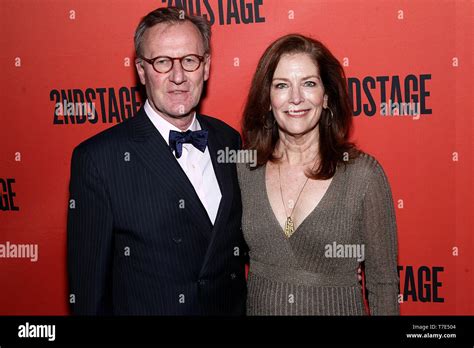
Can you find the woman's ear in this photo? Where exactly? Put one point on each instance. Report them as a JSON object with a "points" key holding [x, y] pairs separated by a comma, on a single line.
{"points": [[325, 102]]}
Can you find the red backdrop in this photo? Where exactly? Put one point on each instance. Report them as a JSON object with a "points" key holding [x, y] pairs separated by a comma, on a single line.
{"points": [[405, 51]]}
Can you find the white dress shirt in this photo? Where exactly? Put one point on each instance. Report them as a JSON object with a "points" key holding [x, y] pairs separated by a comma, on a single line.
{"points": [[196, 164]]}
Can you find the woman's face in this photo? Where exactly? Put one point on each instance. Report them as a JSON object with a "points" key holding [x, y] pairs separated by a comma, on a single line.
{"points": [[297, 94]]}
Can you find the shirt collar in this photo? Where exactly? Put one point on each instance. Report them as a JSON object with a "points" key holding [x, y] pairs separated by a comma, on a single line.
{"points": [[163, 126]]}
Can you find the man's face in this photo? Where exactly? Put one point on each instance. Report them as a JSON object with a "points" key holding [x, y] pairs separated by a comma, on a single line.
{"points": [[174, 94]]}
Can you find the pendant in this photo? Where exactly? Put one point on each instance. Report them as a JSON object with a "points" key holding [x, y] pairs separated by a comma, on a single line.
{"points": [[289, 227]]}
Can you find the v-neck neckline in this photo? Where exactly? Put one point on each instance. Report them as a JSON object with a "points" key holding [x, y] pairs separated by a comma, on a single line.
{"points": [[329, 191]]}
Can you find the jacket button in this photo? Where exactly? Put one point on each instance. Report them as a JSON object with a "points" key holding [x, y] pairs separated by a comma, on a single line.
{"points": [[202, 282], [233, 275], [177, 240]]}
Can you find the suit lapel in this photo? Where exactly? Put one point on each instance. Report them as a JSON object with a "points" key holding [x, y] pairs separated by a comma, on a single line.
{"points": [[223, 173], [158, 157]]}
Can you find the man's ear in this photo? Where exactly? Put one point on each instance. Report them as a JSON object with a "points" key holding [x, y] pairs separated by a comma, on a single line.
{"points": [[207, 67], [140, 70]]}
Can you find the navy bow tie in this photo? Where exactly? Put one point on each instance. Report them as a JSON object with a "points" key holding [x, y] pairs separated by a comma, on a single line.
{"points": [[197, 138]]}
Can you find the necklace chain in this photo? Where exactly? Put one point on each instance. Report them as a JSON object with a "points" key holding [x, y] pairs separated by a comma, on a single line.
{"points": [[289, 223]]}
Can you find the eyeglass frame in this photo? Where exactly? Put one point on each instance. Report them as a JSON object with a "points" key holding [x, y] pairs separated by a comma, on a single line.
{"points": [[151, 61]]}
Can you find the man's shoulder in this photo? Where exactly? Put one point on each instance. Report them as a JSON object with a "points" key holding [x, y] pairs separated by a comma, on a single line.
{"points": [[109, 138]]}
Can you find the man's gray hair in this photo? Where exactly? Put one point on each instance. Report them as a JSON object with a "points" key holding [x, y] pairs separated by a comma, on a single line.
{"points": [[172, 15]]}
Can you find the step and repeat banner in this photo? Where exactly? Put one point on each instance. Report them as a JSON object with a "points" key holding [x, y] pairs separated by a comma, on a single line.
{"points": [[409, 68]]}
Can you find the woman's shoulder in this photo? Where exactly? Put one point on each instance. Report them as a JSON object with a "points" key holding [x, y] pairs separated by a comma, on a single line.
{"points": [[242, 169], [247, 173], [365, 160], [365, 166]]}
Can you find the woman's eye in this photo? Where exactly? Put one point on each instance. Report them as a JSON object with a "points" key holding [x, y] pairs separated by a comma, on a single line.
{"points": [[310, 84], [280, 85]]}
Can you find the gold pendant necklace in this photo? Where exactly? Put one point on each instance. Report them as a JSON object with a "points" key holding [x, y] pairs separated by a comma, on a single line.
{"points": [[289, 227], [289, 223]]}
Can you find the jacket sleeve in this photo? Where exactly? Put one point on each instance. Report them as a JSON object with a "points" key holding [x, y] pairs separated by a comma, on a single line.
{"points": [[89, 239], [380, 238]]}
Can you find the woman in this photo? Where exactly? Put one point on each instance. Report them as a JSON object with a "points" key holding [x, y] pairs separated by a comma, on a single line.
{"points": [[315, 206]]}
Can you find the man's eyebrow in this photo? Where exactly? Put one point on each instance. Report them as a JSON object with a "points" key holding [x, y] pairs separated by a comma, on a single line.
{"points": [[304, 78]]}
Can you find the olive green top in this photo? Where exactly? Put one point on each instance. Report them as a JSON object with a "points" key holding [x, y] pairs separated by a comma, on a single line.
{"points": [[314, 272]]}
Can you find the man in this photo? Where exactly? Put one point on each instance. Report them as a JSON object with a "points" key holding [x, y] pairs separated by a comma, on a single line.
{"points": [[155, 224]]}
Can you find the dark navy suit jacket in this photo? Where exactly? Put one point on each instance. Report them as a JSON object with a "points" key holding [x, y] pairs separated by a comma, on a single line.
{"points": [[139, 240]]}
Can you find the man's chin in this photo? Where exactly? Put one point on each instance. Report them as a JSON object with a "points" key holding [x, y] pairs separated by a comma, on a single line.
{"points": [[178, 114], [181, 115], [174, 110]]}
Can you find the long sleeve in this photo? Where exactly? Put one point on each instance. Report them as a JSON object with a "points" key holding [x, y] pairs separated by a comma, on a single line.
{"points": [[89, 239], [380, 239]]}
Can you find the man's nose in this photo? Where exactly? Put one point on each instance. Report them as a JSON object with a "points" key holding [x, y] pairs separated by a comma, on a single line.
{"points": [[177, 74]]}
